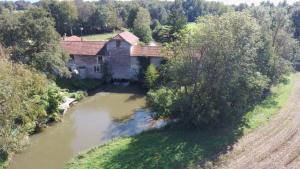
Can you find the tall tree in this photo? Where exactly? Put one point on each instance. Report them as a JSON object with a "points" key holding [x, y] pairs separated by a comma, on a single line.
{"points": [[276, 26], [141, 26], [212, 73], [177, 19], [105, 19], [32, 38], [296, 19], [65, 14]]}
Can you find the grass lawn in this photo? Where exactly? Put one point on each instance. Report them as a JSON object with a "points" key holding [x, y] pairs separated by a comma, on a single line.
{"points": [[173, 147], [103, 36]]}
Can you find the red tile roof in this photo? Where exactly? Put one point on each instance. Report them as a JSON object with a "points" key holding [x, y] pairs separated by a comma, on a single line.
{"points": [[83, 47], [152, 51], [72, 38], [128, 37]]}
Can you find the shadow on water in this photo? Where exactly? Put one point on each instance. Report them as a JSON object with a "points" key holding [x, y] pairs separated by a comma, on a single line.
{"points": [[136, 90]]}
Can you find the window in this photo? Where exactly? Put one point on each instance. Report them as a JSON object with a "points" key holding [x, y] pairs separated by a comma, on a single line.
{"points": [[118, 43], [96, 68]]}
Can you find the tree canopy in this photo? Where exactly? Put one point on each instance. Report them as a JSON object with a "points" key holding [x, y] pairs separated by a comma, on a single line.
{"points": [[223, 66], [141, 25], [33, 40]]}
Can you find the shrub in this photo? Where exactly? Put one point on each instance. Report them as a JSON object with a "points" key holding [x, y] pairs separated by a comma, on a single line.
{"points": [[151, 76], [79, 95], [161, 102]]}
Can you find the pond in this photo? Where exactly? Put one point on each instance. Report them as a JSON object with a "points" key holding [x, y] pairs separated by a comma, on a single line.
{"points": [[109, 113]]}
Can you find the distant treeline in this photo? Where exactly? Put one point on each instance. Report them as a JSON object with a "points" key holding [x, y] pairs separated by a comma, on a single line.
{"points": [[108, 15]]}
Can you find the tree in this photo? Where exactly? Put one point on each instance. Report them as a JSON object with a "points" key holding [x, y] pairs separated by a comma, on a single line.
{"points": [[32, 38], [65, 14], [85, 10], [105, 19], [132, 12], [151, 75], [296, 19], [195, 8], [177, 18], [212, 73], [141, 26], [283, 49], [21, 106]]}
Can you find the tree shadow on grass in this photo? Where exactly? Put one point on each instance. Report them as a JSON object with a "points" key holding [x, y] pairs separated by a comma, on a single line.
{"points": [[172, 147]]}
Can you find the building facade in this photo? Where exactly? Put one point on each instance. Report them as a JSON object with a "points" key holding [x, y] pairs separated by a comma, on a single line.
{"points": [[121, 56]]}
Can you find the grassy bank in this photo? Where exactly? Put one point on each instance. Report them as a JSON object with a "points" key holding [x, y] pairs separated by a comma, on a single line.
{"points": [[174, 147]]}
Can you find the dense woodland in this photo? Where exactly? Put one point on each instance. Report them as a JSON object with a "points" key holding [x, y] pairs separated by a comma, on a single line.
{"points": [[218, 67]]}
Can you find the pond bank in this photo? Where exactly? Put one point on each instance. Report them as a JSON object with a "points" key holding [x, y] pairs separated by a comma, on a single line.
{"points": [[175, 147]]}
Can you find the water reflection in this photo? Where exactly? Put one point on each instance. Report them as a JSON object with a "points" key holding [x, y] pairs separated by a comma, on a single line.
{"points": [[140, 121]]}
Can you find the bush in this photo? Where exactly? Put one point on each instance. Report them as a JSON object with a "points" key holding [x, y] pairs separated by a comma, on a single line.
{"points": [[161, 102], [151, 75], [78, 95], [54, 99]]}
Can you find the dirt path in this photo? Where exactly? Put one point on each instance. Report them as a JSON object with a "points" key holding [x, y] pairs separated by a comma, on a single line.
{"points": [[273, 146]]}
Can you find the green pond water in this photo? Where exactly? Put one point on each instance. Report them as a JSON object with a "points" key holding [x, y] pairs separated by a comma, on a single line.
{"points": [[111, 112]]}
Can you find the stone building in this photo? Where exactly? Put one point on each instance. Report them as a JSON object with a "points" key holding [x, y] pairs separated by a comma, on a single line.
{"points": [[121, 55]]}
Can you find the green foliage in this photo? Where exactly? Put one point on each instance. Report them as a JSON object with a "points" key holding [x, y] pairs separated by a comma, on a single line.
{"points": [[32, 40], [162, 33], [161, 102], [21, 104], [65, 14], [79, 95], [53, 100], [151, 75], [144, 62], [104, 19], [195, 8], [177, 19], [27, 103], [296, 19], [280, 50], [141, 25], [214, 81]]}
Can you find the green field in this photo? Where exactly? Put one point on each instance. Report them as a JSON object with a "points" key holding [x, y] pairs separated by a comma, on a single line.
{"points": [[100, 37], [103, 36], [175, 147]]}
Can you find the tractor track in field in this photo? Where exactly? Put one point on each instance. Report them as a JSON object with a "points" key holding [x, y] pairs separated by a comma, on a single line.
{"points": [[275, 145]]}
